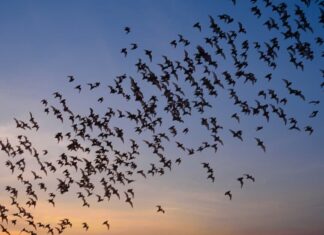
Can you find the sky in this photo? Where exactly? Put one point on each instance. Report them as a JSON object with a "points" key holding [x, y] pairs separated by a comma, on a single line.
{"points": [[42, 42]]}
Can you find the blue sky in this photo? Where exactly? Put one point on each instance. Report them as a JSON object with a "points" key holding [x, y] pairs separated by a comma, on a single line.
{"points": [[42, 42]]}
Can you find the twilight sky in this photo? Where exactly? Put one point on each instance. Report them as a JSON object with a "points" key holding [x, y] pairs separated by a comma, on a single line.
{"points": [[42, 42]]}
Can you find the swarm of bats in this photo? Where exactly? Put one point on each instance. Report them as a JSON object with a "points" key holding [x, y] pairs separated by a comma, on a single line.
{"points": [[165, 93]]}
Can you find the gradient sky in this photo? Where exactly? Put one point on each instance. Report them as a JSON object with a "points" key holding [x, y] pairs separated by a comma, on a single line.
{"points": [[42, 42]]}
